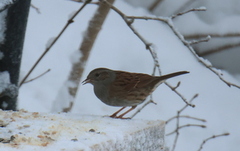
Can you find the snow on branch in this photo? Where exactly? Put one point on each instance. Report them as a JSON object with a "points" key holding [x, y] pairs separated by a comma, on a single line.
{"points": [[190, 10], [206, 39]]}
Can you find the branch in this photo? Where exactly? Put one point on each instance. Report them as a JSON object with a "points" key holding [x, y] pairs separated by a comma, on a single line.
{"points": [[36, 8], [190, 10], [201, 60], [183, 126], [37, 76], [169, 22], [177, 122], [185, 5], [206, 39], [185, 116], [179, 94], [53, 42], [197, 36], [212, 137], [144, 105]]}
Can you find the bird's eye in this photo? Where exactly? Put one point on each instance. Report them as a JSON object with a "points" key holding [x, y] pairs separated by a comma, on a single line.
{"points": [[97, 74]]}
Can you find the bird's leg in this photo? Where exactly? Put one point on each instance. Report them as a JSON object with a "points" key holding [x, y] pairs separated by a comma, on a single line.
{"points": [[115, 114], [121, 116]]}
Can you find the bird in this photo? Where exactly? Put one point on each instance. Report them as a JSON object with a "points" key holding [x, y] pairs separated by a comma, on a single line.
{"points": [[124, 89]]}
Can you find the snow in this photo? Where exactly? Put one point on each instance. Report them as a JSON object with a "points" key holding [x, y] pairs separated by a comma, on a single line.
{"points": [[76, 56], [50, 41], [118, 48], [5, 3], [63, 98], [203, 8], [6, 88], [41, 131]]}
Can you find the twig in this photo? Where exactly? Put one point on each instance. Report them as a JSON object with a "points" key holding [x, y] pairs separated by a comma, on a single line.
{"points": [[212, 137], [178, 84], [184, 116], [197, 36], [54, 41], [187, 125], [169, 22], [201, 60], [178, 123], [144, 105], [219, 49], [37, 76], [36, 8], [129, 23], [179, 94], [185, 5], [190, 10], [206, 39]]}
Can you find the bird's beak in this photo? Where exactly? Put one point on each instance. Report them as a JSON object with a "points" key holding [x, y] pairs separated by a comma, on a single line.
{"points": [[86, 81]]}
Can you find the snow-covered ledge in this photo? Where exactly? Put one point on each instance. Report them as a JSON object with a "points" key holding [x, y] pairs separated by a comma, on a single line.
{"points": [[43, 131]]}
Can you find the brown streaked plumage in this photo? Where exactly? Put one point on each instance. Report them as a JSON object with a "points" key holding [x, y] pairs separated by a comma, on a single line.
{"points": [[120, 88]]}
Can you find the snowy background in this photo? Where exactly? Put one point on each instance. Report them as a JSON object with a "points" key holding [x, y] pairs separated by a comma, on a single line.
{"points": [[118, 48]]}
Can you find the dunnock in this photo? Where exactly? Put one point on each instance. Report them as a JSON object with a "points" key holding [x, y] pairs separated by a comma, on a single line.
{"points": [[120, 88]]}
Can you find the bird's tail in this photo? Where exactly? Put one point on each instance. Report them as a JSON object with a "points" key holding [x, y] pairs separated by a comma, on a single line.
{"points": [[167, 76]]}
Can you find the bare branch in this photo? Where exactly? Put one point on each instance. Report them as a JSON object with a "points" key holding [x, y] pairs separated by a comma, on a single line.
{"points": [[178, 84], [36, 8], [185, 5], [53, 42], [183, 126], [179, 94], [201, 60], [178, 123], [206, 39], [197, 36], [212, 137], [144, 105], [169, 22], [190, 10], [184, 116], [37, 76]]}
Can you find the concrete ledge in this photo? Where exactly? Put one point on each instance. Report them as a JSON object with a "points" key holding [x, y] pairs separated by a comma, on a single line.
{"points": [[42, 131]]}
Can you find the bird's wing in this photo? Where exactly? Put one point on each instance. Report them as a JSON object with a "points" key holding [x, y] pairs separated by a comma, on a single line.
{"points": [[134, 81]]}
